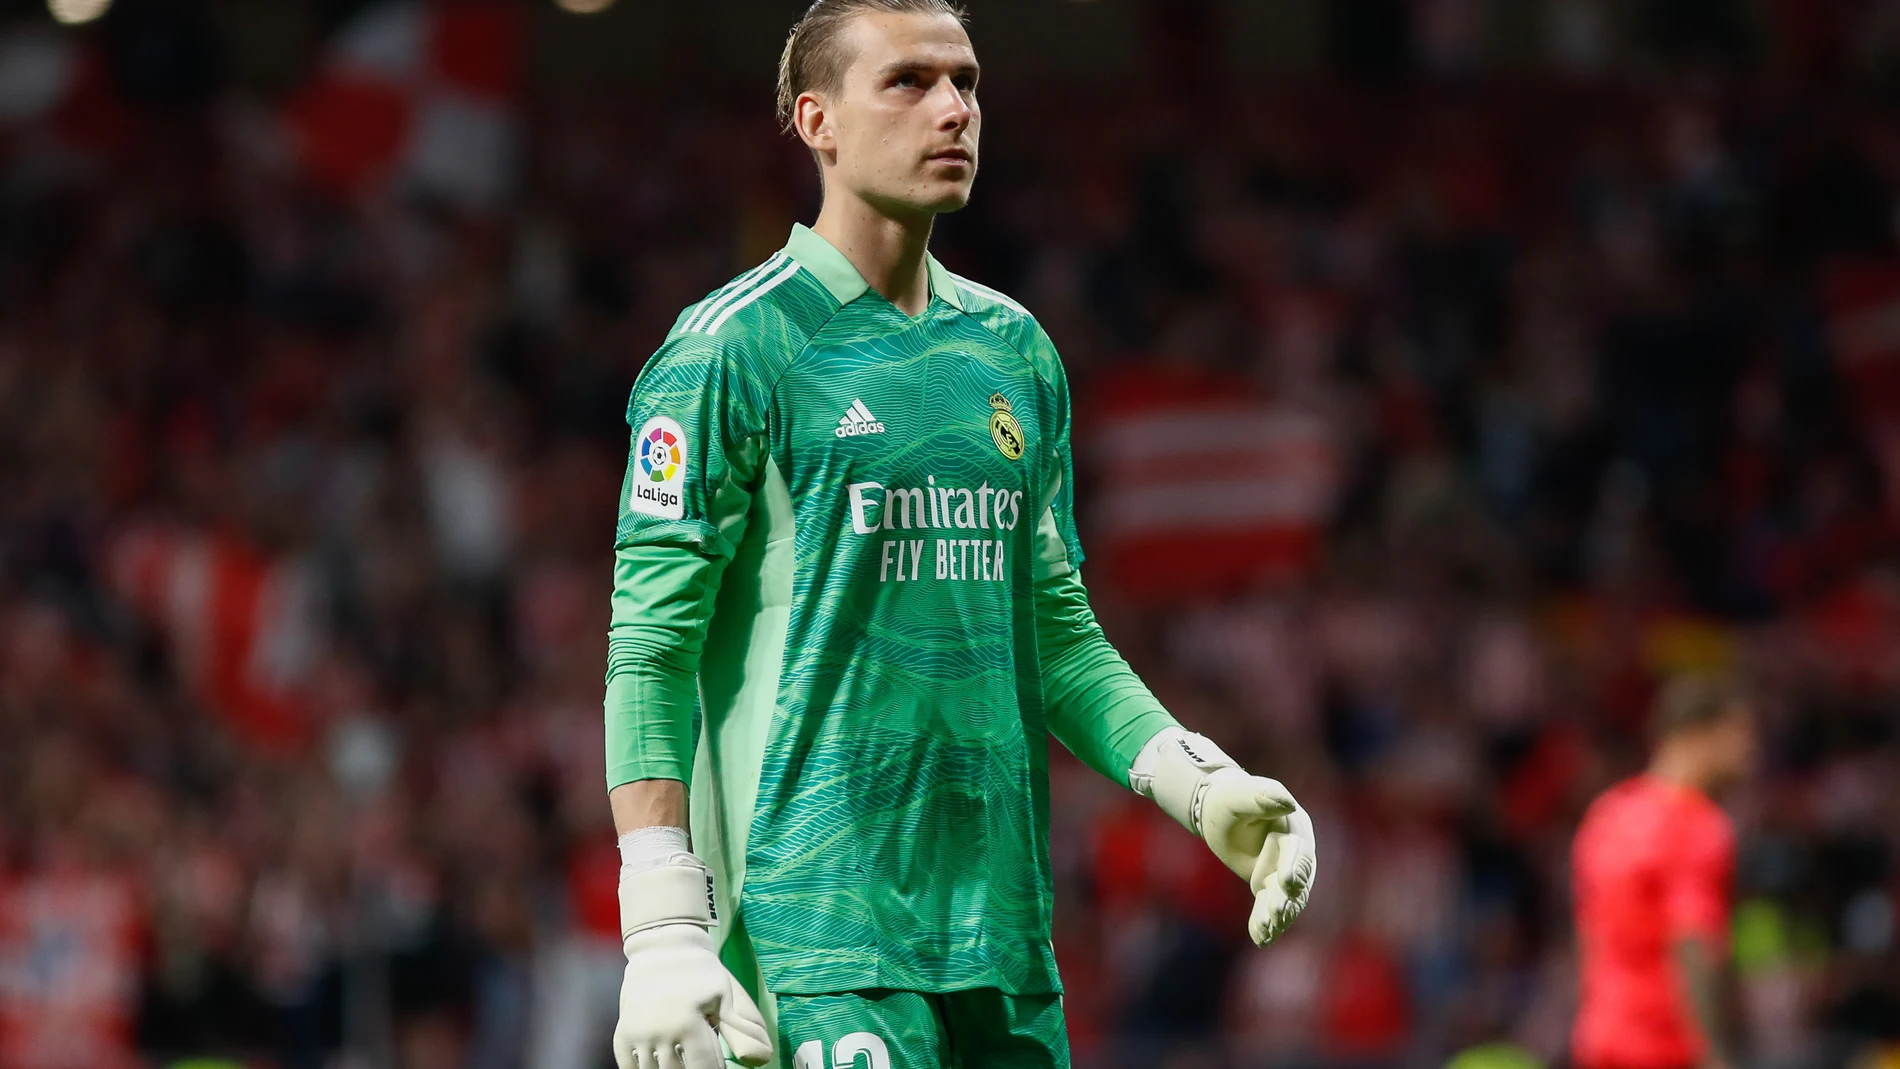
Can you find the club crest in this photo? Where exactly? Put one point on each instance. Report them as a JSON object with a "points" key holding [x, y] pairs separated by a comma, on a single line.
{"points": [[1004, 430]]}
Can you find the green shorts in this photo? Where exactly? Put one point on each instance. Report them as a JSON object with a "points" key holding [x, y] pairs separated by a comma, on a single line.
{"points": [[983, 1029]]}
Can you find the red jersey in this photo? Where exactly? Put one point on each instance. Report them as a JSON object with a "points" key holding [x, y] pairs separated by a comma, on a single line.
{"points": [[1651, 865]]}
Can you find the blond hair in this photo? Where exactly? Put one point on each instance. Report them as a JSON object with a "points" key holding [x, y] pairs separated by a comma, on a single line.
{"points": [[815, 57]]}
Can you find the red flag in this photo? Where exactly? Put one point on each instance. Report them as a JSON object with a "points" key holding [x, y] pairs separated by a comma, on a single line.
{"points": [[419, 94], [1203, 486], [240, 627]]}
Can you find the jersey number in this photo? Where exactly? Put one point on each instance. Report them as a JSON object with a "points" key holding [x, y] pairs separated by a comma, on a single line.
{"points": [[844, 1055]]}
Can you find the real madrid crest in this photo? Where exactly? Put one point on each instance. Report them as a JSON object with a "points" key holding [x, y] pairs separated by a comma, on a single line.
{"points": [[1004, 429]]}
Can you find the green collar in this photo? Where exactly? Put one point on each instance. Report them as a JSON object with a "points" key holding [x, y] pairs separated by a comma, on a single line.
{"points": [[830, 267]]}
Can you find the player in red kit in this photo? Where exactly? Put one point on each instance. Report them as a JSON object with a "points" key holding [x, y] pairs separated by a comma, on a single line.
{"points": [[1651, 870]]}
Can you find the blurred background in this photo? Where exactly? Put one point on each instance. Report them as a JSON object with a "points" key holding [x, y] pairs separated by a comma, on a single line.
{"points": [[1551, 345]]}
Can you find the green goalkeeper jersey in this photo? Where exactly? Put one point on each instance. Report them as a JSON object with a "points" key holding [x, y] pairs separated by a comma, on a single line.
{"points": [[852, 527]]}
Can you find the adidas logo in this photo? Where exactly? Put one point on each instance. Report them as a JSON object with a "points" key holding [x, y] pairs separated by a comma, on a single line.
{"points": [[858, 420]]}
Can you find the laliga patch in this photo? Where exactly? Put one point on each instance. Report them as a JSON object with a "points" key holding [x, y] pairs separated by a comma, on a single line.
{"points": [[659, 470]]}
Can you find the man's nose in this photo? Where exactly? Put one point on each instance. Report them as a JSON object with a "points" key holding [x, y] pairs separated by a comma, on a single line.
{"points": [[956, 110]]}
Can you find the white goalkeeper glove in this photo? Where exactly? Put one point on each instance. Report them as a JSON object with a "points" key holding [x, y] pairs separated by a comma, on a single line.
{"points": [[1250, 822], [677, 999]]}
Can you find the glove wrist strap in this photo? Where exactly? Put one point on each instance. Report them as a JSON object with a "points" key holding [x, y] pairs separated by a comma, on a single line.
{"points": [[1174, 769], [671, 894]]}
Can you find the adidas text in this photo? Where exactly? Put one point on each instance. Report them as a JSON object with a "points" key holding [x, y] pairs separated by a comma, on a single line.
{"points": [[858, 420]]}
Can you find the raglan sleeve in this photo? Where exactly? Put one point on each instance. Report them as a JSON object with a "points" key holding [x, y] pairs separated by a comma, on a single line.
{"points": [[696, 443], [1098, 707]]}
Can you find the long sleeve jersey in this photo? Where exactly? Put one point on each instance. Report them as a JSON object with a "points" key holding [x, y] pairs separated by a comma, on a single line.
{"points": [[847, 613]]}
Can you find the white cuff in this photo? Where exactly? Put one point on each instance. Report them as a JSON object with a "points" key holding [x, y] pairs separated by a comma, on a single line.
{"points": [[1173, 769]]}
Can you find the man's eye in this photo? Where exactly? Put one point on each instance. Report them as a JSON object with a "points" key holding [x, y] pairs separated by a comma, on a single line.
{"points": [[906, 81], [966, 85]]}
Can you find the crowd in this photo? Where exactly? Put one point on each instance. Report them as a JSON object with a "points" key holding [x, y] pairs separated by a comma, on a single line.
{"points": [[307, 501]]}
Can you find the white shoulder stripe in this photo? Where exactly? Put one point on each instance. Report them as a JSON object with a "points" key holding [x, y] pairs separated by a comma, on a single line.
{"points": [[699, 310], [713, 298], [984, 291], [763, 288], [735, 290], [731, 290]]}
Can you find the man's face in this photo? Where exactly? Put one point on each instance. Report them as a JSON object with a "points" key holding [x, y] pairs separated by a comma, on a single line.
{"points": [[903, 125]]}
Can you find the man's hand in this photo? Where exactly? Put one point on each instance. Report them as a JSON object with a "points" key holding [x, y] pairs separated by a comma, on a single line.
{"points": [[677, 1000], [1250, 822], [1254, 826], [1701, 969]]}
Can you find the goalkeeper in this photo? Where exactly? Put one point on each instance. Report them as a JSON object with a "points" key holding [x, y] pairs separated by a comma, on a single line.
{"points": [[847, 612]]}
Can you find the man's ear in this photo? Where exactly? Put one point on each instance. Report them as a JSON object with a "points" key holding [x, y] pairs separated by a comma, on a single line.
{"points": [[812, 121]]}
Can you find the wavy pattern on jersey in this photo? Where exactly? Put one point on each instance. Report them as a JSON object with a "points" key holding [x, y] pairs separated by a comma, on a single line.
{"points": [[1016, 328], [898, 826], [905, 864], [900, 834], [718, 387]]}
